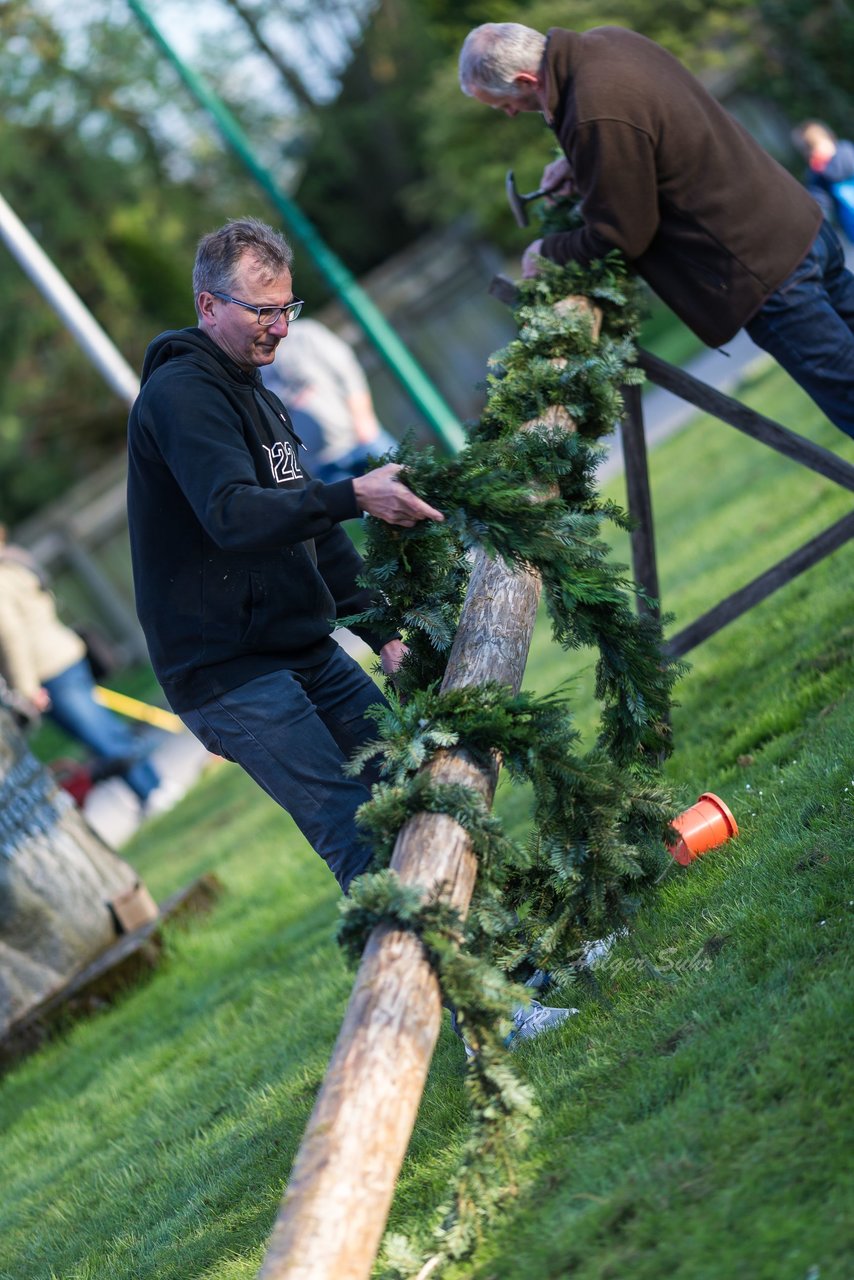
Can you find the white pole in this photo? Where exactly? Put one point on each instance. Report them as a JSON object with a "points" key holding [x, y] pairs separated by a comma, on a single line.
{"points": [[80, 323]]}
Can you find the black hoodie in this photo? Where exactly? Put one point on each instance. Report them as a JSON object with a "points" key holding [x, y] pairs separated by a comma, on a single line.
{"points": [[239, 562]]}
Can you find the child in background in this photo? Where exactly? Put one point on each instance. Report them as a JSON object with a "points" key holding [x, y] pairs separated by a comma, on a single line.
{"points": [[830, 172]]}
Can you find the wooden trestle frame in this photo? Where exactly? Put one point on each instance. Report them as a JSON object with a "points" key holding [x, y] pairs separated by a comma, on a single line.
{"points": [[639, 500], [754, 424]]}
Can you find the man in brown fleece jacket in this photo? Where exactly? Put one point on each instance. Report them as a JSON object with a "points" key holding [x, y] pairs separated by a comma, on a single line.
{"points": [[722, 233]]}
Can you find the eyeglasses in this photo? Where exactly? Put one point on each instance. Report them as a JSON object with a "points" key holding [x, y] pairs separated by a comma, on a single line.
{"points": [[266, 315]]}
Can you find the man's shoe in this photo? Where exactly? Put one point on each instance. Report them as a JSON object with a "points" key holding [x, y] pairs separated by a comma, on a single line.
{"points": [[531, 1020], [455, 1027], [540, 981]]}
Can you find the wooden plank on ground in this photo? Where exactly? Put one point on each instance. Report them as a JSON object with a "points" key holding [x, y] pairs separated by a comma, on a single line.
{"points": [[129, 960]]}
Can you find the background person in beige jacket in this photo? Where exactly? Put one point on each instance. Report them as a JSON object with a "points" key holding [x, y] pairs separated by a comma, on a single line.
{"points": [[44, 663]]}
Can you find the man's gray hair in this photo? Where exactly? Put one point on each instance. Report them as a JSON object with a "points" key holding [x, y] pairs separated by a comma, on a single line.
{"points": [[493, 54], [220, 252]]}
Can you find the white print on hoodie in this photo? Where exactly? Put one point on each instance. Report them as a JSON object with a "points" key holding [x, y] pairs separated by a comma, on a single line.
{"points": [[283, 462]]}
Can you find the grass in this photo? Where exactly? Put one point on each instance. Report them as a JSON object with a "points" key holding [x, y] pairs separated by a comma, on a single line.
{"points": [[694, 1125]]}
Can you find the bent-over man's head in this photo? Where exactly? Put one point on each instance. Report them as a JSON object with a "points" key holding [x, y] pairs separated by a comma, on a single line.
{"points": [[500, 65], [243, 290]]}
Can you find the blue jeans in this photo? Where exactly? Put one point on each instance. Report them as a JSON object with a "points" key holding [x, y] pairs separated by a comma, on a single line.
{"points": [[292, 731], [74, 709], [808, 327]]}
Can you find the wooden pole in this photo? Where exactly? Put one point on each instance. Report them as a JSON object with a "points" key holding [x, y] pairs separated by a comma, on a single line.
{"points": [[708, 624], [334, 1211], [639, 499], [738, 415]]}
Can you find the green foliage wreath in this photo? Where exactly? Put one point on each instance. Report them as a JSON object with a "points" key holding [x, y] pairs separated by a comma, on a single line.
{"points": [[600, 816]]}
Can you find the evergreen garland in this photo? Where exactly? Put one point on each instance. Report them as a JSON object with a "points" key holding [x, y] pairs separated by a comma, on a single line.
{"points": [[600, 817], [502, 1104]]}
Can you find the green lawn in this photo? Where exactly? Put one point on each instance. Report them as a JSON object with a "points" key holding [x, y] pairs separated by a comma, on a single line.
{"points": [[695, 1125]]}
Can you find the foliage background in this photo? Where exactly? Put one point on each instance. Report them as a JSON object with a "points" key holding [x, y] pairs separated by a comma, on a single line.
{"points": [[354, 108]]}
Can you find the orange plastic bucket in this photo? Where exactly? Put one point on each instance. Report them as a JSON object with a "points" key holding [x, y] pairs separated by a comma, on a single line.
{"points": [[704, 826]]}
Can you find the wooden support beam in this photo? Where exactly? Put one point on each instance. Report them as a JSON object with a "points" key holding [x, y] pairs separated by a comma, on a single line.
{"points": [[504, 289], [747, 420], [757, 590], [336, 1204], [744, 419], [639, 498], [128, 961]]}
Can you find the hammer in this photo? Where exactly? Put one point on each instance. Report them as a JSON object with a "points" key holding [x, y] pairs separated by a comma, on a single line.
{"points": [[517, 201]]}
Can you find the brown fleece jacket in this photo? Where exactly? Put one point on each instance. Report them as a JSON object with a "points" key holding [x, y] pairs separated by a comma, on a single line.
{"points": [[709, 219]]}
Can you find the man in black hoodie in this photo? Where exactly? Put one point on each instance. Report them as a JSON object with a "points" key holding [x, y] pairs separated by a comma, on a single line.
{"points": [[239, 560]]}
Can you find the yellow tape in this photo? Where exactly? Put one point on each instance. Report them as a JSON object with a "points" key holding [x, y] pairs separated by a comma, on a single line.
{"points": [[137, 710]]}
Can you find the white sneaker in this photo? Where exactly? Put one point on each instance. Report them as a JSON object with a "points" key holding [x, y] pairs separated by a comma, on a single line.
{"points": [[531, 1020], [162, 799]]}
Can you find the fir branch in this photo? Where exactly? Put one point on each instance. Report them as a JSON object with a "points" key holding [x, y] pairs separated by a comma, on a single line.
{"points": [[599, 817]]}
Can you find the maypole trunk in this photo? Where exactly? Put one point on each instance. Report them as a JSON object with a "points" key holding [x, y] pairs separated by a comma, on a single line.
{"points": [[335, 1207]]}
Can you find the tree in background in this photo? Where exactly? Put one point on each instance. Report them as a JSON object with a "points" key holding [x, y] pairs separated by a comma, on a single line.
{"points": [[399, 151], [117, 173], [804, 52], [352, 105], [362, 151]]}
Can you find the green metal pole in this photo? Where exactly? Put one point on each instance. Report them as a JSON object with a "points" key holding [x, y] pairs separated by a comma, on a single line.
{"points": [[440, 416]]}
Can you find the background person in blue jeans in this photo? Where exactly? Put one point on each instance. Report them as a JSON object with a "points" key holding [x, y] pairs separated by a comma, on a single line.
{"points": [[721, 232], [329, 399], [44, 663]]}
